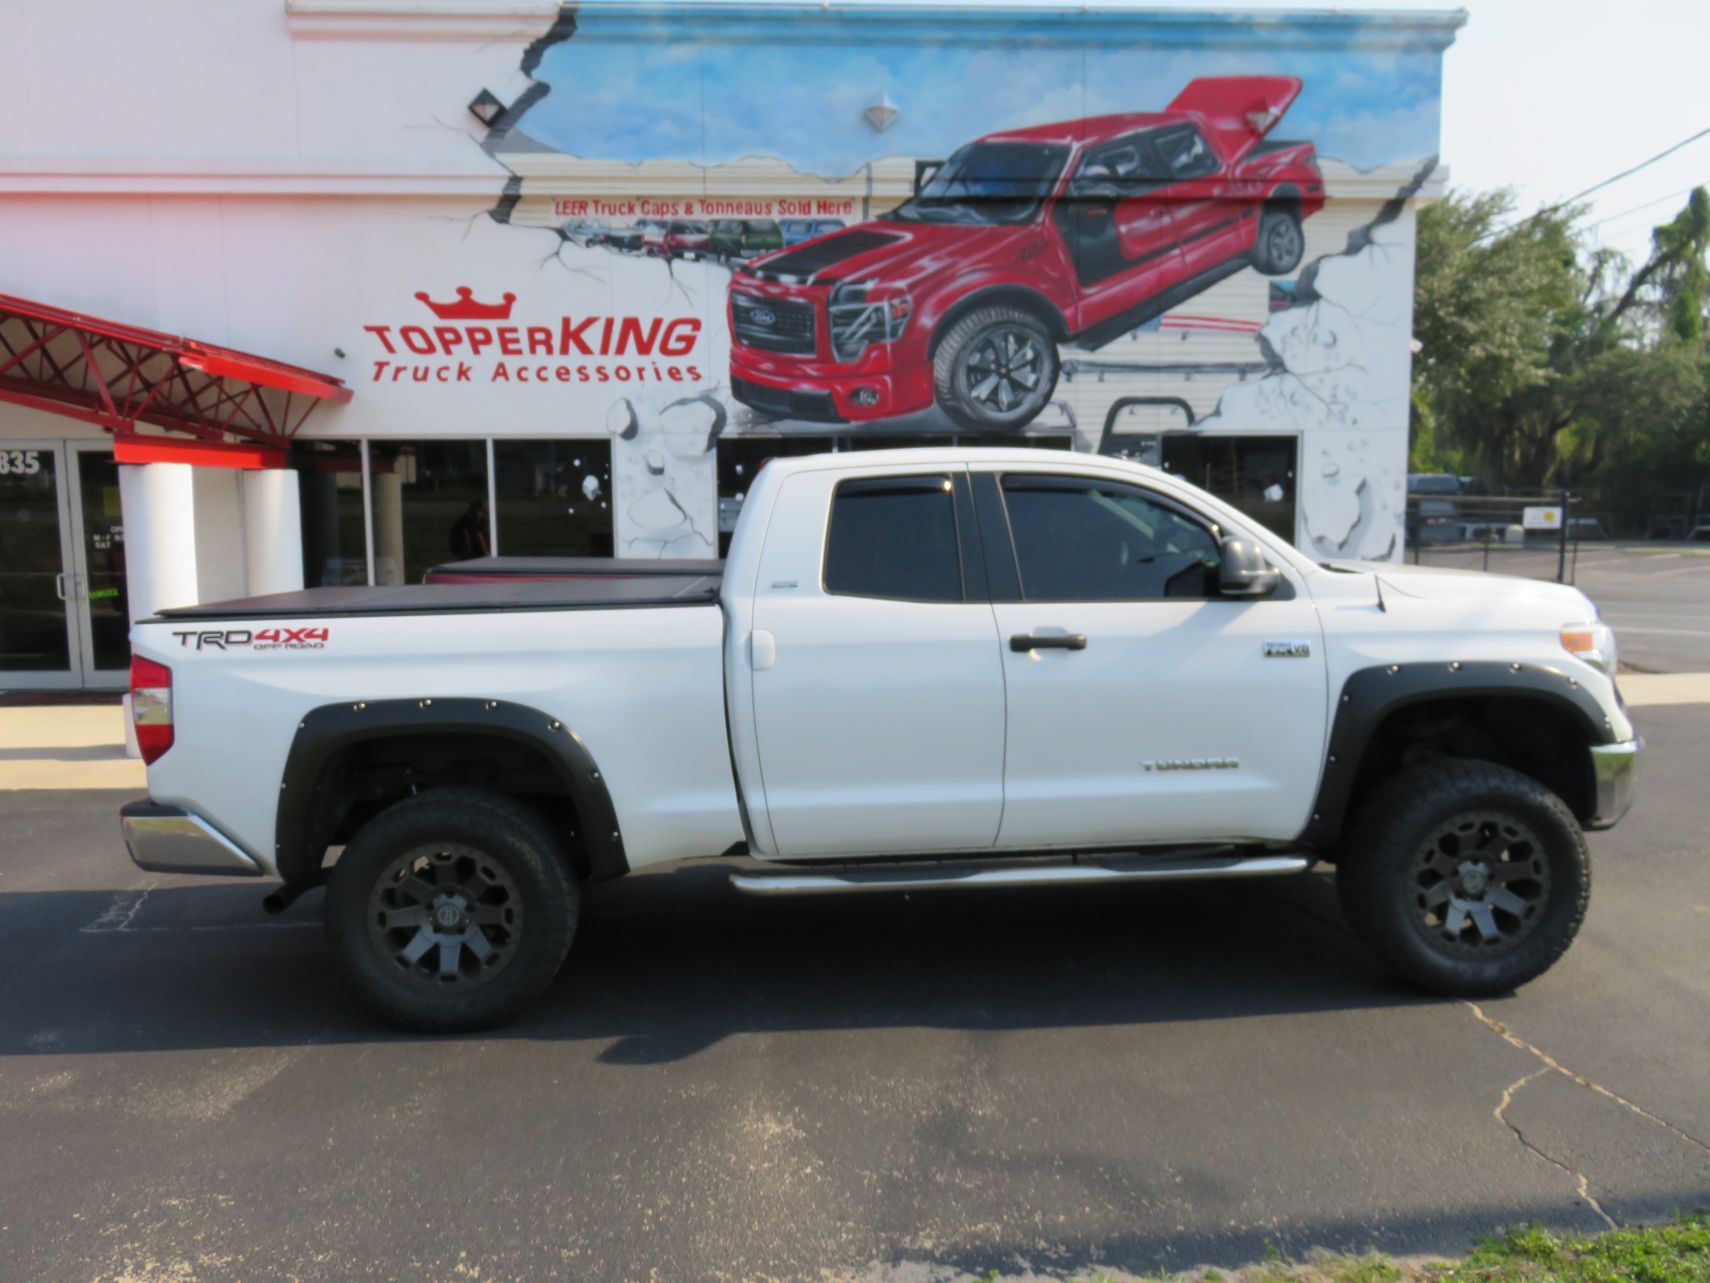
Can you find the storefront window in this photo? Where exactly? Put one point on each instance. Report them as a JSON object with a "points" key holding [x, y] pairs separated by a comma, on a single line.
{"points": [[429, 503], [739, 462], [104, 559], [329, 485], [1254, 474], [554, 498]]}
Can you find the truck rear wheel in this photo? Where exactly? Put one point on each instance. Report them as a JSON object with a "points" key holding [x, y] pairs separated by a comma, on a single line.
{"points": [[995, 369], [1466, 877], [1281, 241], [451, 910]]}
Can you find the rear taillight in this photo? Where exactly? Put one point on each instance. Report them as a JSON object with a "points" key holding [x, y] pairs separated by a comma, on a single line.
{"points": [[151, 706]]}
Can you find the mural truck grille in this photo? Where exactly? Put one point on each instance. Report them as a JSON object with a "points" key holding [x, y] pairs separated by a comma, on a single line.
{"points": [[778, 325]]}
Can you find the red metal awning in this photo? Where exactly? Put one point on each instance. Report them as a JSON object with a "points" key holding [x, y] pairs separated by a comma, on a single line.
{"points": [[118, 376]]}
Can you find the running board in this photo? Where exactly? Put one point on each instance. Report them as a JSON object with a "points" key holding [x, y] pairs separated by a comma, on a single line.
{"points": [[938, 876]]}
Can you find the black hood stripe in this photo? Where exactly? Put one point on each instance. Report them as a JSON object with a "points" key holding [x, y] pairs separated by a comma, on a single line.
{"points": [[818, 255]]}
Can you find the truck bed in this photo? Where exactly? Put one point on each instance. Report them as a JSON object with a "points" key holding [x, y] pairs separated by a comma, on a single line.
{"points": [[490, 595]]}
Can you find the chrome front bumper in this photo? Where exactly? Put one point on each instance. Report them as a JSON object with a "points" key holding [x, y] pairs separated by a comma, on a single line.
{"points": [[1615, 774], [169, 839]]}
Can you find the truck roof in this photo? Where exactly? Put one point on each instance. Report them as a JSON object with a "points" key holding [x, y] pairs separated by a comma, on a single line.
{"points": [[1088, 128]]}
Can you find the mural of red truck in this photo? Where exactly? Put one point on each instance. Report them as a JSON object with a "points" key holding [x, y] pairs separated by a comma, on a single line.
{"points": [[1021, 241]]}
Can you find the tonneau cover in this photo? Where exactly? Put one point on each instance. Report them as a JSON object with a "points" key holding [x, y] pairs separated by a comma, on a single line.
{"points": [[495, 594], [483, 568]]}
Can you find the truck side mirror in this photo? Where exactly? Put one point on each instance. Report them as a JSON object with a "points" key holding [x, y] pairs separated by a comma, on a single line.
{"points": [[1242, 571]]}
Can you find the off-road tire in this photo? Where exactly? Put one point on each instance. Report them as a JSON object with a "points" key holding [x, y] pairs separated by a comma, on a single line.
{"points": [[950, 369], [1378, 883], [518, 856], [1281, 241]]}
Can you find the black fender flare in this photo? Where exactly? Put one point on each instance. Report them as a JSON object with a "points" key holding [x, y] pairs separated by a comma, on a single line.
{"points": [[1000, 292], [1371, 694], [326, 730]]}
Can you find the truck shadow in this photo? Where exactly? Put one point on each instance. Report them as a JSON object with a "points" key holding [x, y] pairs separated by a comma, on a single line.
{"points": [[670, 963]]}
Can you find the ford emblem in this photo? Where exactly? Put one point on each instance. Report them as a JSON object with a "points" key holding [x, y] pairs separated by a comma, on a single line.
{"points": [[763, 316]]}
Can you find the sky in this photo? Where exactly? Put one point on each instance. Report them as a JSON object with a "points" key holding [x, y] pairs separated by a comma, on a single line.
{"points": [[715, 102], [1551, 96]]}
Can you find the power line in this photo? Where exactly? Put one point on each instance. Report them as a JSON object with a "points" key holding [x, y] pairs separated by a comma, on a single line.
{"points": [[1595, 187], [1610, 218]]}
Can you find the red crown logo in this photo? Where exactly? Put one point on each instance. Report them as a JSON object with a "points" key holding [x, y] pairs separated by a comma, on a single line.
{"points": [[467, 309]]}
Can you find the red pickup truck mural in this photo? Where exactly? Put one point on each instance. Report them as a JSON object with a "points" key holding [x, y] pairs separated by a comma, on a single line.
{"points": [[1023, 240]]}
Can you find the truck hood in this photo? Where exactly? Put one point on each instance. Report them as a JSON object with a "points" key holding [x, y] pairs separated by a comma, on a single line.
{"points": [[895, 253], [1437, 583]]}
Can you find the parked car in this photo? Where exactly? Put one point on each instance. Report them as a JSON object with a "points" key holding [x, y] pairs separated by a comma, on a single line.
{"points": [[686, 238], [1073, 232], [652, 235], [628, 238], [584, 232], [1432, 514], [740, 238], [797, 230], [919, 668]]}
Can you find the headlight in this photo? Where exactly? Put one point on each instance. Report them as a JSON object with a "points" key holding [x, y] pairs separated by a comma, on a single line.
{"points": [[1593, 642], [864, 312]]}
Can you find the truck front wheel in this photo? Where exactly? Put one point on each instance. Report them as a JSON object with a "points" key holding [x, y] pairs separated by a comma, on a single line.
{"points": [[1466, 877], [451, 910], [995, 369]]}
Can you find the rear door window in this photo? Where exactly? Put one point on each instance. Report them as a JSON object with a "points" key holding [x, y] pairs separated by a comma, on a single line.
{"points": [[1184, 153], [1080, 539], [894, 537]]}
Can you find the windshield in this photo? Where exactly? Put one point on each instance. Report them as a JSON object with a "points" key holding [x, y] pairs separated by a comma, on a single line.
{"points": [[987, 183], [1433, 483]]}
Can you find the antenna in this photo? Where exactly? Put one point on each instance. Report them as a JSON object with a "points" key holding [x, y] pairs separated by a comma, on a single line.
{"points": [[1377, 581]]}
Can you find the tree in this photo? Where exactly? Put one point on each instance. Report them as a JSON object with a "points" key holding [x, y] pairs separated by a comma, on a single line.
{"points": [[1543, 361], [1498, 315]]}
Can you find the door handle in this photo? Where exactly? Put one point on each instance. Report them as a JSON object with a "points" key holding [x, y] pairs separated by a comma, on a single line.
{"points": [[1053, 641], [59, 585]]}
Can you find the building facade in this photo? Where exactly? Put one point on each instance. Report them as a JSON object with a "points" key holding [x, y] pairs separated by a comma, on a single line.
{"points": [[581, 270]]}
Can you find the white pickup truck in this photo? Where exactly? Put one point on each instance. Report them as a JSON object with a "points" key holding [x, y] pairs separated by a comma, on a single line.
{"points": [[918, 668]]}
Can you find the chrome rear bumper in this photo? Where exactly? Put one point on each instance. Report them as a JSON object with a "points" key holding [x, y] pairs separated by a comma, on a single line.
{"points": [[1615, 773], [169, 839]]}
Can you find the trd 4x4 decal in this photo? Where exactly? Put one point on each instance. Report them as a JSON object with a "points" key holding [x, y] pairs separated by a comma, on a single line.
{"points": [[260, 639]]}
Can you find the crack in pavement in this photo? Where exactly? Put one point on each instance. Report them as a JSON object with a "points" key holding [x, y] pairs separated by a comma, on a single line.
{"points": [[1582, 1183], [1550, 1062], [1549, 1065], [118, 916]]}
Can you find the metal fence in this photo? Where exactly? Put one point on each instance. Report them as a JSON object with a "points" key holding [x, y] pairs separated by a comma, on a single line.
{"points": [[1536, 536]]}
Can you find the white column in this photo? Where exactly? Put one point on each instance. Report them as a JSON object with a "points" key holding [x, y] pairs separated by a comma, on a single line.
{"points": [[159, 504], [272, 531], [219, 534], [388, 504]]}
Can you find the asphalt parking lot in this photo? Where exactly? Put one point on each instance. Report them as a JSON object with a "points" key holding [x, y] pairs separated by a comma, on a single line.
{"points": [[1657, 596], [720, 1089]]}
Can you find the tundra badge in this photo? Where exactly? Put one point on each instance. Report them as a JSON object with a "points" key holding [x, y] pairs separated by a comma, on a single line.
{"points": [[1288, 650]]}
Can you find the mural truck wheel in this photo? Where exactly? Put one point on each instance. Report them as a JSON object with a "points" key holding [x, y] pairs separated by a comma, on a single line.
{"points": [[1281, 242], [995, 369]]}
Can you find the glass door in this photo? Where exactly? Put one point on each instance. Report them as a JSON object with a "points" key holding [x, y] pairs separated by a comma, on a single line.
{"points": [[40, 644], [100, 605]]}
